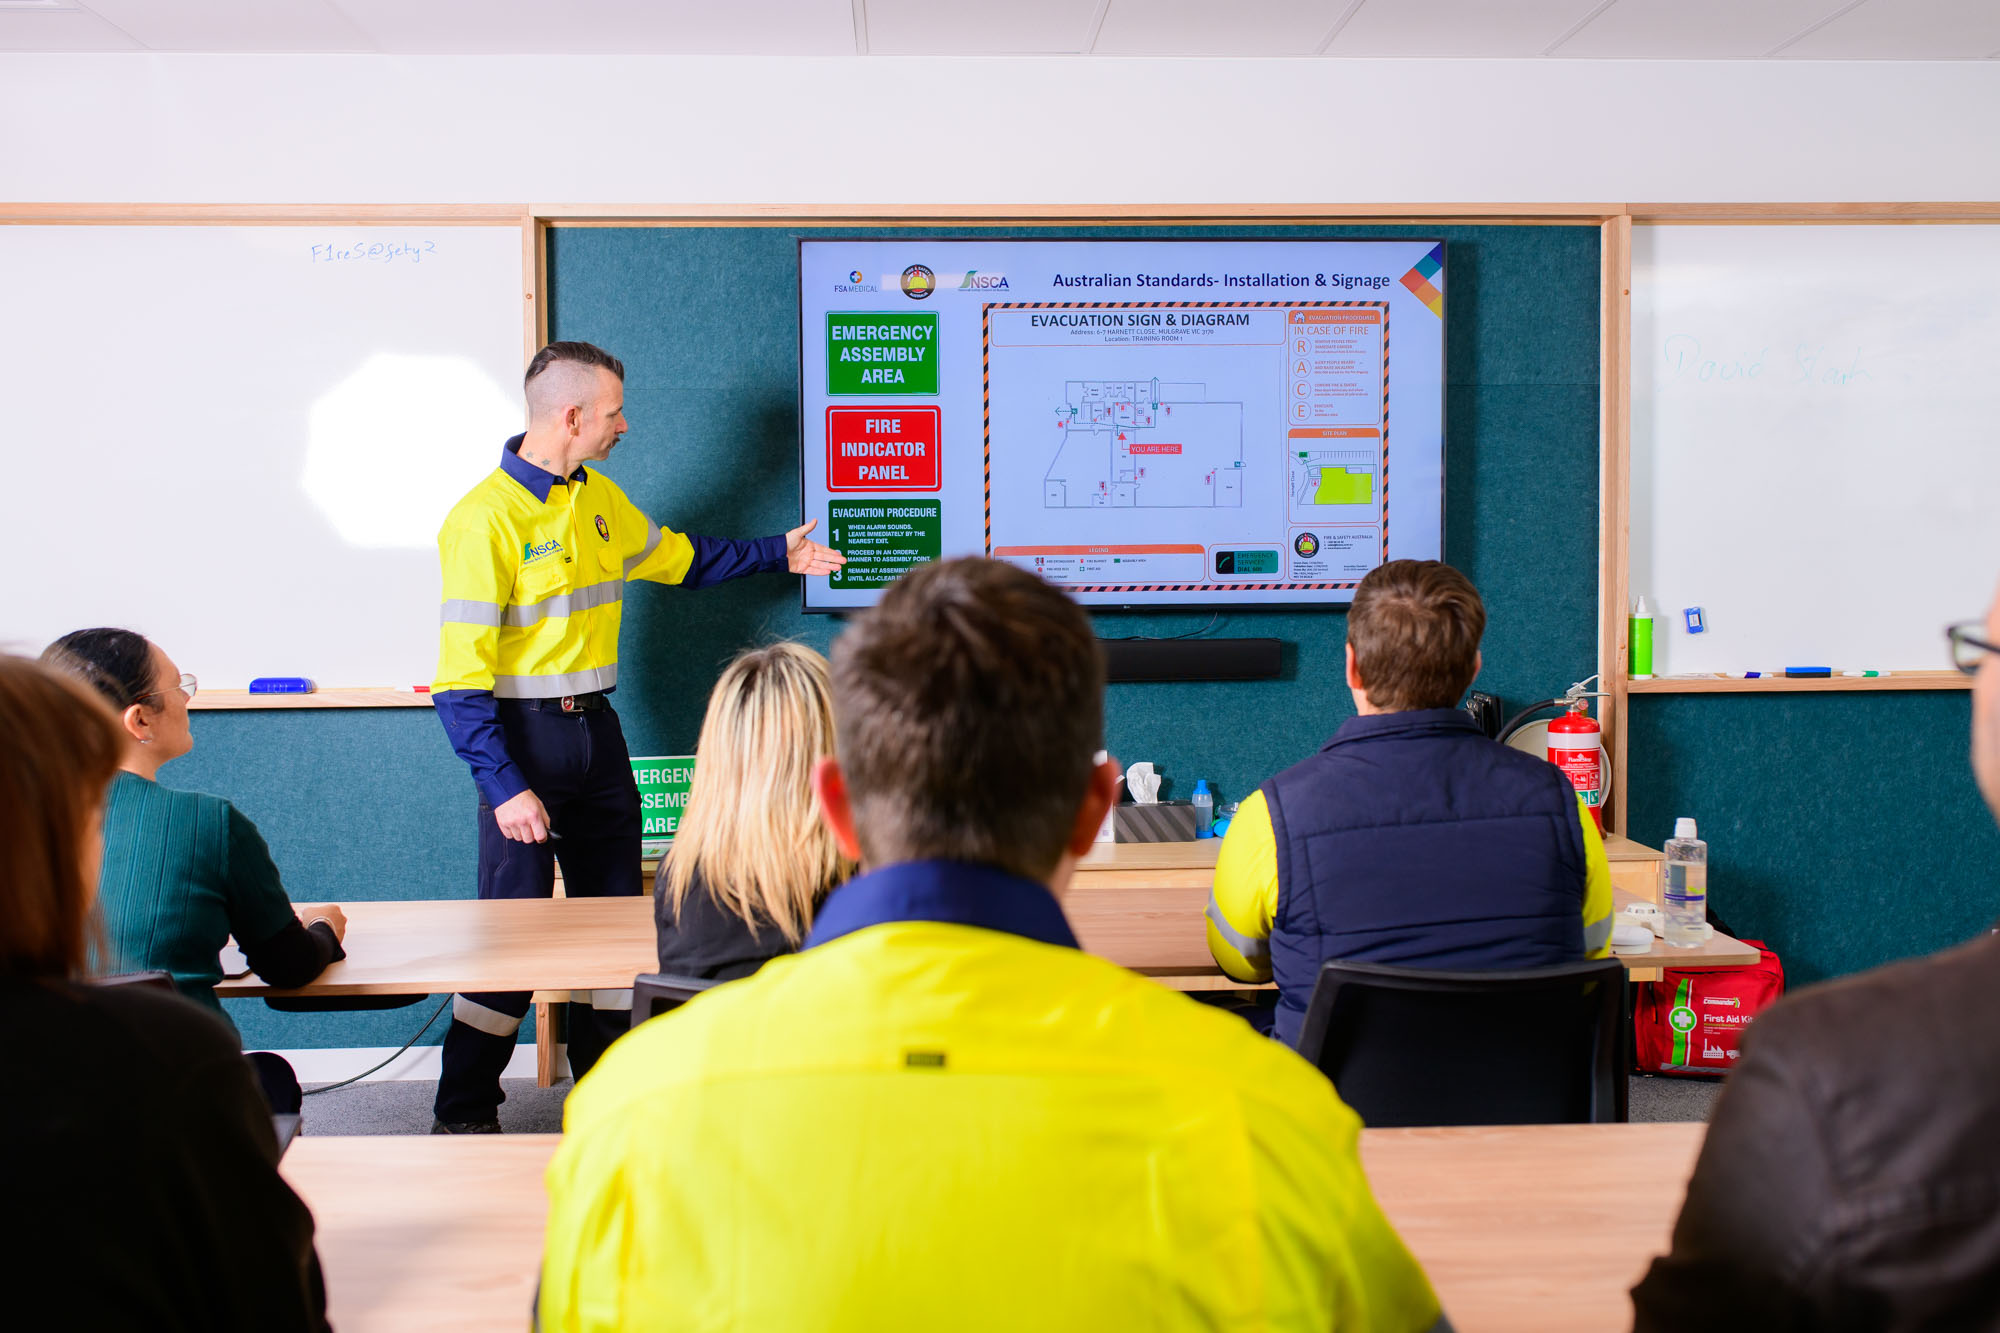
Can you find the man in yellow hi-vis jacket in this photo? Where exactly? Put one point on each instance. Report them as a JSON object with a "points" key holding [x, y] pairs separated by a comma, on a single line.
{"points": [[535, 559]]}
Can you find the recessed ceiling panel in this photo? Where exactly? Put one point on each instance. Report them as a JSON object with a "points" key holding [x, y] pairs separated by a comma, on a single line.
{"points": [[1205, 28], [1454, 29], [1906, 30], [607, 27], [978, 27], [233, 25], [1694, 29], [59, 30]]}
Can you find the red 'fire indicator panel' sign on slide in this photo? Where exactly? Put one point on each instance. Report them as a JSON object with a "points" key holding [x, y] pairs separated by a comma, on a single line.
{"points": [[882, 448]]}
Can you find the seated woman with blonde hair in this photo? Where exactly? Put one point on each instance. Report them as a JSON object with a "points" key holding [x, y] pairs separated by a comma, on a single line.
{"points": [[141, 1159], [751, 861]]}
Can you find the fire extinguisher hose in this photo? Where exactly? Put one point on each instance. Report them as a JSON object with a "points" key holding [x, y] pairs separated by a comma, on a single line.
{"points": [[1519, 719]]}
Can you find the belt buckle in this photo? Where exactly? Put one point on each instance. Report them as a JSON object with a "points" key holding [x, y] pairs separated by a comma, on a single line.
{"points": [[569, 703]]}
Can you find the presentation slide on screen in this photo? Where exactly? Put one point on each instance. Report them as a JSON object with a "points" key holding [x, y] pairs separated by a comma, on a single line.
{"points": [[1145, 423]]}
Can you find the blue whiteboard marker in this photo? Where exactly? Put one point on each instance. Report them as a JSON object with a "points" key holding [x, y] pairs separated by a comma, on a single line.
{"points": [[282, 685]]}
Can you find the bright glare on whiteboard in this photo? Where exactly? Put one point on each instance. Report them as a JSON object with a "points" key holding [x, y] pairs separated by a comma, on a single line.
{"points": [[391, 448]]}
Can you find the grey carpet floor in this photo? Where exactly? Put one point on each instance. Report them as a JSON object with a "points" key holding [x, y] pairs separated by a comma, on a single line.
{"points": [[404, 1106]]}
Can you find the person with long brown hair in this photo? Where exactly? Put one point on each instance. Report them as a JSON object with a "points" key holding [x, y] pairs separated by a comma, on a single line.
{"points": [[137, 1135], [752, 860]]}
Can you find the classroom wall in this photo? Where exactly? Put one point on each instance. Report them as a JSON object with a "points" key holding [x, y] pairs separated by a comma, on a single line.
{"points": [[265, 128], [373, 805]]}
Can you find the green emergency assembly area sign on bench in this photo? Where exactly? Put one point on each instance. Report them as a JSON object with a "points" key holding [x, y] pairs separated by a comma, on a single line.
{"points": [[663, 781]]}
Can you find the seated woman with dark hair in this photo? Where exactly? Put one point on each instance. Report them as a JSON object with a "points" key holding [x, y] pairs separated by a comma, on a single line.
{"points": [[183, 872], [752, 860], [142, 1164]]}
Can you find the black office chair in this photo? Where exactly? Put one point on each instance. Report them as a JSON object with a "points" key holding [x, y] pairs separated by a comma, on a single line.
{"points": [[656, 993], [1406, 1046]]}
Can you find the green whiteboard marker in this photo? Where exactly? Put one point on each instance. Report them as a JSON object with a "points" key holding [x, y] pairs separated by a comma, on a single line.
{"points": [[1642, 641]]}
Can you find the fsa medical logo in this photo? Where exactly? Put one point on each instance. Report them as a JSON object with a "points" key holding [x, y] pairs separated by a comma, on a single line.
{"points": [[975, 281], [533, 554], [857, 281]]}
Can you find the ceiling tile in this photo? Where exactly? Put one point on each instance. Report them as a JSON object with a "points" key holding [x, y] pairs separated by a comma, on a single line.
{"points": [[606, 27], [233, 25], [1458, 29], [1694, 29], [59, 30], [978, 27], [1906, 30], [1204, 28]]}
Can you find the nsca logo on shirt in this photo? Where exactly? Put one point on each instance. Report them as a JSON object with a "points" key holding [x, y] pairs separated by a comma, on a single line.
{"points": [[530, 552]]}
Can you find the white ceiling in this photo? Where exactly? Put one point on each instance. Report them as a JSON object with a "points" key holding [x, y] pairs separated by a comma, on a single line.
{"points": [[1418, 29]]}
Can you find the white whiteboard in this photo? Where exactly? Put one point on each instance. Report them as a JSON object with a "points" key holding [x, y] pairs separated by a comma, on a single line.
{"points": [[1815, 441], [241, 440]]}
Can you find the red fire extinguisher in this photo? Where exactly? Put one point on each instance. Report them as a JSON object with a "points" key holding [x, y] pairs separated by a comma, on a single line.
{"points": [[1576, 746]]}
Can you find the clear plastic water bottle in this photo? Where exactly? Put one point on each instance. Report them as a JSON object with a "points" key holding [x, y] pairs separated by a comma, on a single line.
{"points": [[1687, 887], [1204, 809]]}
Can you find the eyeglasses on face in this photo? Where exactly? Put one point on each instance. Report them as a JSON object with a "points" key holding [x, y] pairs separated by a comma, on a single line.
{"points": [[186, 685], [1968, 649]]}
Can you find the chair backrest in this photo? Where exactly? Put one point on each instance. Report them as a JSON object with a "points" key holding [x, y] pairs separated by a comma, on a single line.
{"points": [[1405, 1046], [657, 992]]}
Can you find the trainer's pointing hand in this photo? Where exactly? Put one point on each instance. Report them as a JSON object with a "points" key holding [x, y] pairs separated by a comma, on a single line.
{"points": [[806, 556]]}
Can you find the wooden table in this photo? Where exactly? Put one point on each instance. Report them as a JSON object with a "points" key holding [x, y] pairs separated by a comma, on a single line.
{"points": [[1540, 1229]]}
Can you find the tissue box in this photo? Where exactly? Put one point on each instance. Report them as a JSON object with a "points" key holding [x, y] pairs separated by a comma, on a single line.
{"points": [[1164, 821]]}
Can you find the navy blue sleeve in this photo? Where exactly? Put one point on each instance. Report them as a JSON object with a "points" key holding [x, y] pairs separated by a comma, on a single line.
{"points": [[472, 721], [718, 559]]}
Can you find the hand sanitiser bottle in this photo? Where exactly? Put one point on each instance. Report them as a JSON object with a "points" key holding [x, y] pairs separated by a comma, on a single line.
{"points": [[1204, 809], [1686, 887]]}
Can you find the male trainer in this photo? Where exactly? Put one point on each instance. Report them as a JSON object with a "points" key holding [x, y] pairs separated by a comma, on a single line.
{"points": [[536, 558]]}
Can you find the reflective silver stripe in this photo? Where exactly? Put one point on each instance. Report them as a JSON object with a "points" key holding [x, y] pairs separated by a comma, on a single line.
{"points": [[491, 1021], [1253, 951], [603, 999], [566, 603], [460, 612], [556, 686], [1596, 935], [652, 541]]}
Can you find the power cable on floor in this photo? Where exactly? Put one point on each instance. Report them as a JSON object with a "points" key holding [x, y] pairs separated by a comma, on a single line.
{"points": [[329, 1087]]}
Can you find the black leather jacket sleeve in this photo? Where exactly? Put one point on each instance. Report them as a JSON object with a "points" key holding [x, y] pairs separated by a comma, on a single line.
{"points": [[1750, 1234]]}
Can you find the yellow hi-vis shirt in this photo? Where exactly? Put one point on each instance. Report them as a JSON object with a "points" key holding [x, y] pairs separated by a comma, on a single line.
{"points": [[533, 587], [922, 1126], [1243, 906]]}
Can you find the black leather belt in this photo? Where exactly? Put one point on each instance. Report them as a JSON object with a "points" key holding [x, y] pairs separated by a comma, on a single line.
{"points": [[568, 703]]}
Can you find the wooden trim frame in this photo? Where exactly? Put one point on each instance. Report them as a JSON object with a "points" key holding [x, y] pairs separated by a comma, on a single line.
{"points": [[1614, 487], [1010, 215], [1895, 680]]}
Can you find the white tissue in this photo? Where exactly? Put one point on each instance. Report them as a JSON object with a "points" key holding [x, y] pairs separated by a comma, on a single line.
{"points": [[1143, 783]]}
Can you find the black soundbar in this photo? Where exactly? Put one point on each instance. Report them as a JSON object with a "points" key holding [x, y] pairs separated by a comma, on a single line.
{"points": [[1129, 660]]}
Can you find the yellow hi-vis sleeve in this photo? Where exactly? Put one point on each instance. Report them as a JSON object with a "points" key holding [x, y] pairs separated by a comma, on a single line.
{"points": [[1244, 902], [651, 551], [477, 565], [1596, 888]]}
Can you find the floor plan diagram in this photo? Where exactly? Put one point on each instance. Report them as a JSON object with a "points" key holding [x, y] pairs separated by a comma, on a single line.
{"points": [[1144, 444]]}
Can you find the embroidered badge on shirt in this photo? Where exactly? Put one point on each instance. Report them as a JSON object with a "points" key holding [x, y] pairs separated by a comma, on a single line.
{"points": [[603, 528]]}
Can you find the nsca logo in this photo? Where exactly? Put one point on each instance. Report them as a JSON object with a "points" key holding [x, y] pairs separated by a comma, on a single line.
{"points": [[918, 282], [976, 281], [530, 552]]}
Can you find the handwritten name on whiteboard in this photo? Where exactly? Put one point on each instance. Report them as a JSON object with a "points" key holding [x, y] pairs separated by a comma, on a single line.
{"points": [[373, 252], [1811, 364]]}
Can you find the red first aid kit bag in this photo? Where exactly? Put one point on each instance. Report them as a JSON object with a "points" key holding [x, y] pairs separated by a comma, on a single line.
{"points": [[1693, 1022]]}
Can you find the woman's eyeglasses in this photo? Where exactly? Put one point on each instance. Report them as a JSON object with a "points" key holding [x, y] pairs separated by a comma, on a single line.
{"points": [[186, 684], [1968, 650]]}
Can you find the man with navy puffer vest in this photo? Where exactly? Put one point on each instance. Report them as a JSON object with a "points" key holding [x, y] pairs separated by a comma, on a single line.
{"points": [[1410, 839]]}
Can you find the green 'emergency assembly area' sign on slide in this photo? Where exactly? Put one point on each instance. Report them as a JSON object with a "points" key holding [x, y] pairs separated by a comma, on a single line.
{"points": [[881, 353], [883, 539], [664, 781]]}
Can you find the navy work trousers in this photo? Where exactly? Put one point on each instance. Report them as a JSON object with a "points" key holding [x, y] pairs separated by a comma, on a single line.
{"points": [[578, 765]]}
